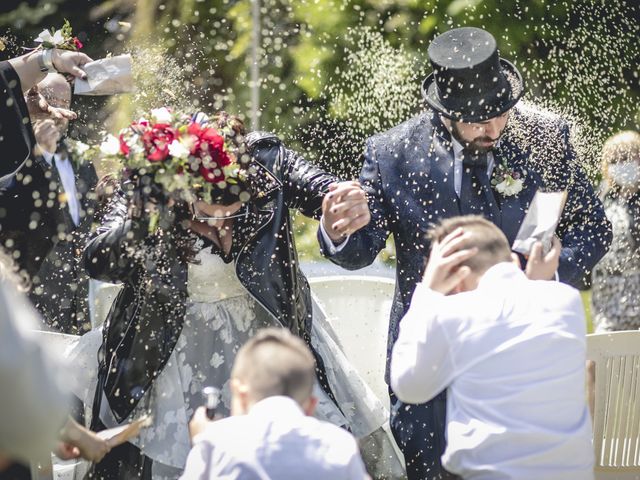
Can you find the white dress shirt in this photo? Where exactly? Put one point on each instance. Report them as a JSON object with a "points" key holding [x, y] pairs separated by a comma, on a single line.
{"points": [[275, 440], [512, 356], [457, 165], [68, 179]]}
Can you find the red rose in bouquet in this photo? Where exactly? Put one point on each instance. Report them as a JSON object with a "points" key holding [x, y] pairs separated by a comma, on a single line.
{"points": [[182, 156], [124, 147], [209, 148], [156, 141]]}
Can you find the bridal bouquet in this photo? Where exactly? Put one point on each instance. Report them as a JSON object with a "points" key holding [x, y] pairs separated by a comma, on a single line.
{"points": [[186, 158]]}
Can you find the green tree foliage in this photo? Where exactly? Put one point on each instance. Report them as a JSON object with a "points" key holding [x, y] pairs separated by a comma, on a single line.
{"points": [[335, 71]]}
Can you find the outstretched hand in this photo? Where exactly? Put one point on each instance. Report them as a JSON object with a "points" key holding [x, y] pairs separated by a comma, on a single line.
{"points": [[39, 108], [345, 210], [543, 267], [78, 441], [443, 272]]}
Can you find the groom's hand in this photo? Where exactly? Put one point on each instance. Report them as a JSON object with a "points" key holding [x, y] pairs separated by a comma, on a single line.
{"points": [[345, 210], [543, 267], [444, 272]]}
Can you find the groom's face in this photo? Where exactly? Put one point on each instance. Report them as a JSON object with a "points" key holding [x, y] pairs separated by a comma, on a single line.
{"points": [[480, 136]]}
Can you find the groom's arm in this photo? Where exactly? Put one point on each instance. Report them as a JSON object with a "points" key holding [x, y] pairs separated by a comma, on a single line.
{"points": [[584, 230], [361, 247]]}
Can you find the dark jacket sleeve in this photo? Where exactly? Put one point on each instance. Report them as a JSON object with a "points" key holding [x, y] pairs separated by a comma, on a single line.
{"points": [[304, 184], [16, 134], [584, 230], [364, 245], [115, 253]]}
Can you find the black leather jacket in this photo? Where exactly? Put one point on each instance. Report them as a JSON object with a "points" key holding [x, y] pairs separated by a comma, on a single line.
{"points": [[146, 318]]}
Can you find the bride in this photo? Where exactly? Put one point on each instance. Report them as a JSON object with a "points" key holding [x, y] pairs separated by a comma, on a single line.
{"points": [[194, 291]]}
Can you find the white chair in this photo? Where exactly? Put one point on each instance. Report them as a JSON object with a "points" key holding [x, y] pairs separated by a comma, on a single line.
{"points": [[357, 309], [616, 417]]}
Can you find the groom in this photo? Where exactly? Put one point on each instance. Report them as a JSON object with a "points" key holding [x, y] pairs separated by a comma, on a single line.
{"points": [[441, 164]]}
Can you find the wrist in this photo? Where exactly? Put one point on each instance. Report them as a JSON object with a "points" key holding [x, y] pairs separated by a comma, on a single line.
{"points": [[54, 55], [45, 61], [327, 229]]}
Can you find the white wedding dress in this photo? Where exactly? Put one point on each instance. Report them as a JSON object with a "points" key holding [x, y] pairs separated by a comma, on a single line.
{"points": [[221, 316]]}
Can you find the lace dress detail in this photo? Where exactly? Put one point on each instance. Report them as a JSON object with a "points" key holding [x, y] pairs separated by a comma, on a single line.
{"points": [[220, 317]]}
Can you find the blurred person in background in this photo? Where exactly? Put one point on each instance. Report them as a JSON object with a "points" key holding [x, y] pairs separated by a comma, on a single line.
{"points": [[28, 223], [60, 287], [34, 398], [616, 279]]}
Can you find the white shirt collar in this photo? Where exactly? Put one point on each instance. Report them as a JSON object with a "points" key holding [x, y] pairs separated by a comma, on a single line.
{"points": [[276, 407], [457, 148], [500, 271], [48, 156]]}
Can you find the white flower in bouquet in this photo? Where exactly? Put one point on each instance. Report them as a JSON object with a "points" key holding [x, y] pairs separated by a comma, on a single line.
{"points": [[161, 115], [110, 146], [177, 149], [56, 39]]}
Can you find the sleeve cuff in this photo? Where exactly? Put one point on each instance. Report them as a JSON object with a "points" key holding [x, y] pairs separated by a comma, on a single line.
{"points": [[331, 247]]}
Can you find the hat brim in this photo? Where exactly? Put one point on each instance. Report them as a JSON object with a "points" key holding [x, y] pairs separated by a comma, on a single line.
{"points": [[430, 94]]}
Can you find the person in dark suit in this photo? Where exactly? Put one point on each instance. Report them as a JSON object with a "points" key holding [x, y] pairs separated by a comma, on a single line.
{"points": [[61, 286], [29, 216], [474, 151]]}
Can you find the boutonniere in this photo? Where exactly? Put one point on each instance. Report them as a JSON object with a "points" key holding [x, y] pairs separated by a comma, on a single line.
{"points": [[507, 181], [79, 152]]}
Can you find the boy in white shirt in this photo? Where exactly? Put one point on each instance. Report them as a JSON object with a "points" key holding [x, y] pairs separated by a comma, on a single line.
{"points": [[509, 350], [271, 433]]}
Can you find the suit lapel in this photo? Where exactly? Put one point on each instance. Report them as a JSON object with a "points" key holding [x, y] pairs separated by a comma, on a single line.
{"points": [[514, 207], [441, 162]]}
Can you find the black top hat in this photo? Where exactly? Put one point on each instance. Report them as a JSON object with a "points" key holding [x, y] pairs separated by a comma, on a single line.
{"points": [[470, 82]]}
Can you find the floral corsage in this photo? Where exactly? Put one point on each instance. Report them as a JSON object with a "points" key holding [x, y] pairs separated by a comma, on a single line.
{"points": [[507, 181], [62, 39]]}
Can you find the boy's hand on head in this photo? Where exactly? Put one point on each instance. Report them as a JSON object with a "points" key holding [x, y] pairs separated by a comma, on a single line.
{"points": [[443, 272]]}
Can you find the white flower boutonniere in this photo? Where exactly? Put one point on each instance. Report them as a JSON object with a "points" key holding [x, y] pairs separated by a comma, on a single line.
{"points": [[507, 181], [79, 152]]}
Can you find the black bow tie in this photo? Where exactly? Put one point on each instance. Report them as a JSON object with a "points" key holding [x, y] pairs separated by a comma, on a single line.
{"points": [[474, 159]]}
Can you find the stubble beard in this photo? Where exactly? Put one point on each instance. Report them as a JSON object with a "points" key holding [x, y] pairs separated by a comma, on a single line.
{"points": [[473, 145]]}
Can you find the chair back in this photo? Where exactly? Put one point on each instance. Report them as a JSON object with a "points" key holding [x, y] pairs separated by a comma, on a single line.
{"points": [[616, 416], [357, 310]]}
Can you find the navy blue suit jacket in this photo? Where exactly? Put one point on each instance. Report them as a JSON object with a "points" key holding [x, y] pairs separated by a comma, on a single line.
{"points": [[408, 176]]}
